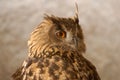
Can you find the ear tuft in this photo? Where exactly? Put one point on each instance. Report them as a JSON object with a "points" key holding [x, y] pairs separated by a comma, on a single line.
{"points": [[76, 17]]}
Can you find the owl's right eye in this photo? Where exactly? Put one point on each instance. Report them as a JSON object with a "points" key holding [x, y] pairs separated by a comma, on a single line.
{"points": [[61, 34]]}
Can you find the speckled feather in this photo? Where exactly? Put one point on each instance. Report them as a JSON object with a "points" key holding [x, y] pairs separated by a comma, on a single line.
{"points": [[52, 59]]}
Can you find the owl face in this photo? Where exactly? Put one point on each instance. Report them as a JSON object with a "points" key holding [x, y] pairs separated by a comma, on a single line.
{"points": [[66, 32], [61, 34]]}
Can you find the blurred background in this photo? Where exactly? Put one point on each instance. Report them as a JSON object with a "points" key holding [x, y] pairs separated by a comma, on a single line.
{"points": [[100, 21]]}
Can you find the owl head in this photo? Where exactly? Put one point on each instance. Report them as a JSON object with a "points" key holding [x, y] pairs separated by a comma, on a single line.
{"points": [[57, 31]]}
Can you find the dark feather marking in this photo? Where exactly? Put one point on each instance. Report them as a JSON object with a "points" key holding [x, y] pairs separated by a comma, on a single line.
{"points": [[54, 66], [30, 73], [57, 58], [47, 63]]}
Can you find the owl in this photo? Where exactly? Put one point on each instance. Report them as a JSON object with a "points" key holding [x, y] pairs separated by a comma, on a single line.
{"points": [[56, 50]]}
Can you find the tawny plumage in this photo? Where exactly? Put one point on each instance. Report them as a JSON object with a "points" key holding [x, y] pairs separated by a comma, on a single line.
{"points": [[55, 52]]}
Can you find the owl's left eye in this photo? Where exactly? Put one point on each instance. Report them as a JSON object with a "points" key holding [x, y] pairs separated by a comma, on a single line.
{"points": [[61, 34]]}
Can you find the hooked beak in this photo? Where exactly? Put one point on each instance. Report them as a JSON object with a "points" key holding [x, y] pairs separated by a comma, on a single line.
{"points": [[75, 41], [72, 40]]}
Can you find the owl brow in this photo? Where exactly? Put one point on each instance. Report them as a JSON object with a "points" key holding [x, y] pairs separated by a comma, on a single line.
{"points": [[63, 26], [59, 27]]}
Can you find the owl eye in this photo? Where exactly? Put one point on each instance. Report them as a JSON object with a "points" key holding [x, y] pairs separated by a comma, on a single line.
{"points": [[61, 34]]}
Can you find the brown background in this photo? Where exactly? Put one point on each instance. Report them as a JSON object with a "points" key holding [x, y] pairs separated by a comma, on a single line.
{"points": [[100, 20]]}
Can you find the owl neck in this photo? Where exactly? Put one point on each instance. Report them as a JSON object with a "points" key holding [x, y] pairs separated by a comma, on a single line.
{"points": [[49, 51]]}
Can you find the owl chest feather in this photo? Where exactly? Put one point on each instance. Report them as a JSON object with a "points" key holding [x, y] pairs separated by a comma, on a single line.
{"points": [[56, 66]]}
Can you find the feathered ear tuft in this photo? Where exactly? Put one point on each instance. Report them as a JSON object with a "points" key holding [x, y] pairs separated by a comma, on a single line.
{"points": [[76, 17]]}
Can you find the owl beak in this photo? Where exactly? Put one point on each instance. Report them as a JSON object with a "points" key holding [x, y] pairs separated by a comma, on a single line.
{"points": [[75, 42], [72, 40]]}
